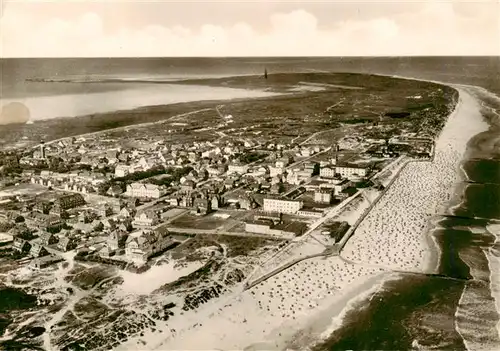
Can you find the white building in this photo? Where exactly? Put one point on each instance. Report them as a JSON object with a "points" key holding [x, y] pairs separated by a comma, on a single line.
{"points": [[350, 172], [140, 190], [145, 219], [282, 162], [122, 171], [327, 172], [143, 244], [282, 205], [323, 196]]}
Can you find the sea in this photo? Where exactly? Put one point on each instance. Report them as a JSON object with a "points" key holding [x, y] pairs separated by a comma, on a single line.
{"points": [[457, 308]]}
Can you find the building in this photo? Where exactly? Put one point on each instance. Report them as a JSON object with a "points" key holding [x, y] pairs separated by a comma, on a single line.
{"points": [[339, 187], [323, 196], [351, 172], [282, 205], [282, 162], [146, 191], [202, 206], [47, 238], [143, 244], [122, 171], [311, 213], [66, 244], [188, 185], [42, 221], [287, 229], [42, 151], [114, 190], [42, 206], [21, 245], [69, 201], [327, 172], [146, 219], [116, 240], [237, 168], [43, 262], [274, 171], [38, 250], [258, 226], [216, 202]]}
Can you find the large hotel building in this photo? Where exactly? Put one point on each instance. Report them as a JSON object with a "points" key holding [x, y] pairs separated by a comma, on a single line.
{"points": [[282, 205]]}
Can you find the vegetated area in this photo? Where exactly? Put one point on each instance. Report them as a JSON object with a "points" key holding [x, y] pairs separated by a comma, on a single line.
{"points": [[99, 319], [387, 103]]}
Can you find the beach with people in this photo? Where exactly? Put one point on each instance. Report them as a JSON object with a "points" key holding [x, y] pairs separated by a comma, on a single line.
{"points": [[395, 236]]}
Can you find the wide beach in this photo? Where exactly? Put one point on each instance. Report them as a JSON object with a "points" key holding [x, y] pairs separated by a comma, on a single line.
{"points": [[304, 303]]}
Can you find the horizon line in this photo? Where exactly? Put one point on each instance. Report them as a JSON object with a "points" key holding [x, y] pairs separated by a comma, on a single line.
{"points": [[251, 56]]}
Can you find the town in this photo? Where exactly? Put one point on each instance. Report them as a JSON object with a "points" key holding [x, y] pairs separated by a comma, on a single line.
{"points": [[193, 206], [80, 194]]}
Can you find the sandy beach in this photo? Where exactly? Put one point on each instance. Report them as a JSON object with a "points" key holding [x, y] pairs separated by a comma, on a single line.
{"points": [[392, 235], [305, 302]]}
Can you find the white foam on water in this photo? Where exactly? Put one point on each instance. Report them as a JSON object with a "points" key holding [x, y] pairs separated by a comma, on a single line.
{"points": [[493, 256]]}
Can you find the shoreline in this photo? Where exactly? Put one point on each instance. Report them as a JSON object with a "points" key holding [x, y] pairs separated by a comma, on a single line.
{"points": [[127, 100], [431, 263], [330, 318], [359, 290]]}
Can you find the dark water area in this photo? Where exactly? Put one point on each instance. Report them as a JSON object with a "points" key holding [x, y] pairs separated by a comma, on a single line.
{"points": [[415, 309], [482, 171], [481, 200]]}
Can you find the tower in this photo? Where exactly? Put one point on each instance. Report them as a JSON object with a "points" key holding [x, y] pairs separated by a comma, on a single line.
{"points": [[335, 157], [42, 150], [265, 73]]}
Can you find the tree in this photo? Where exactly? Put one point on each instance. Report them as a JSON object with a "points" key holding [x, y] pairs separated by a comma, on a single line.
{"points": [[316, 169], [19, 219]]}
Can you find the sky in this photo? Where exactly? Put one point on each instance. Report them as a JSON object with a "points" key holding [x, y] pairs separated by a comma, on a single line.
{"points": [[119, 28]]}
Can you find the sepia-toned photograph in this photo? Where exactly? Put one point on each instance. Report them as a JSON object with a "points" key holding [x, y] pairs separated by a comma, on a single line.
{"points": [[249, 175]]}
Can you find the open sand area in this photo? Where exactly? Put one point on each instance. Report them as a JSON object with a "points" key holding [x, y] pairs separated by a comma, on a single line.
{"points": [[393, 234], [255, 319]]}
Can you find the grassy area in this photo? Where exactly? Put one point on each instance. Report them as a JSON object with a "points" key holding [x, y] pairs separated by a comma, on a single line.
{"points": [[281, 117], [198, 222]]}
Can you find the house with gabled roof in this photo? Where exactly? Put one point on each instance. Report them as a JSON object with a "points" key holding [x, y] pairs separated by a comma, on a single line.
{"points": [[47, 238], [21, 245], [146, 219], [37, 250], [67, 244], [116, 240], [142, 244]]}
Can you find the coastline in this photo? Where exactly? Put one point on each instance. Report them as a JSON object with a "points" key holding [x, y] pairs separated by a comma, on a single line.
{"points": [[330, 311], [493, 257], [79, 105], [431, 261], [330, 318]]}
